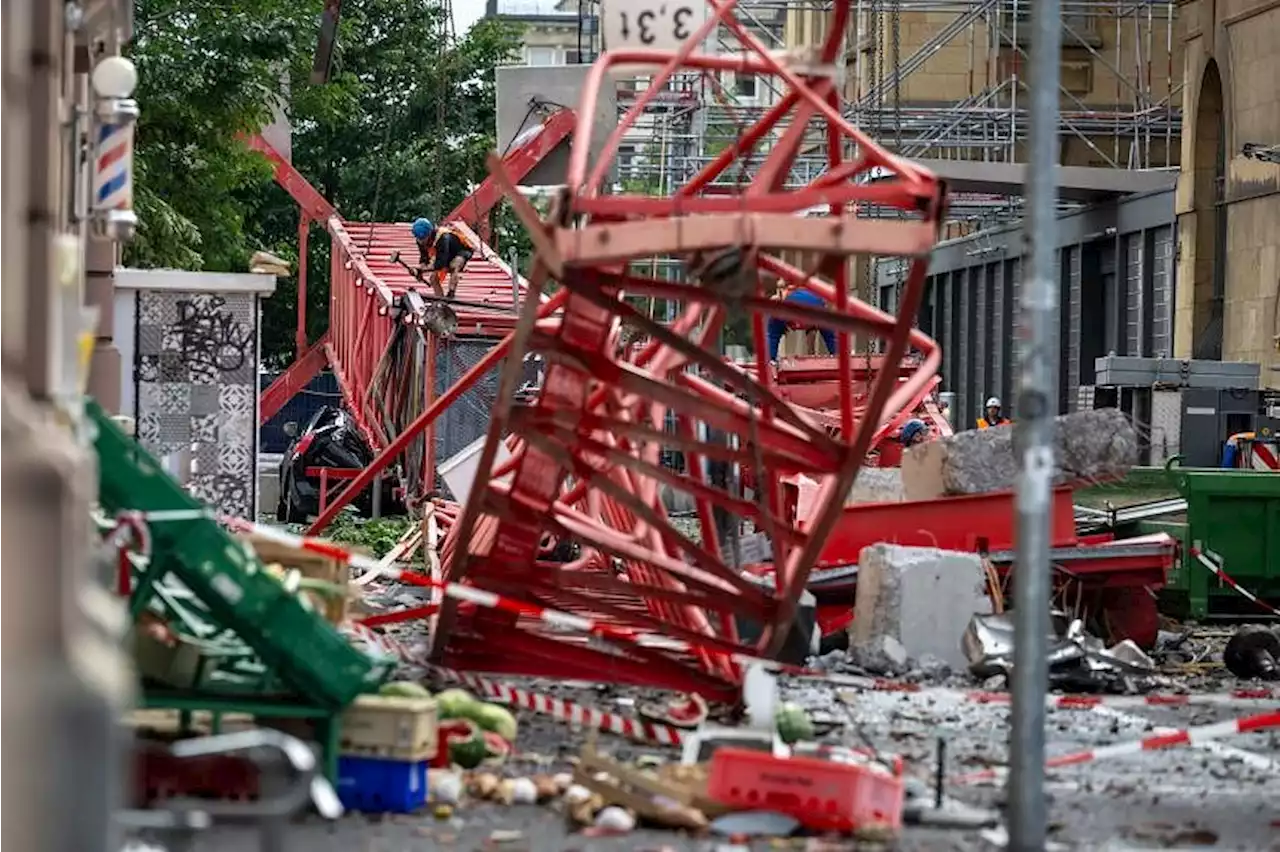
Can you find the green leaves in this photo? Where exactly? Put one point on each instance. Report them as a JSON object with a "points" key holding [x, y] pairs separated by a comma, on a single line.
{"points": [[401, 130]]}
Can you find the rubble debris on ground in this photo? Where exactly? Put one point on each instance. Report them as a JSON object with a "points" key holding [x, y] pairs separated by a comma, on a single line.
{"points": [[1088, 446], [1077, 661]]}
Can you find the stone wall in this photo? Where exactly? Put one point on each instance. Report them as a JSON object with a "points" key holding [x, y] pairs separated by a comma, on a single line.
{"points": [[1231, 99]]}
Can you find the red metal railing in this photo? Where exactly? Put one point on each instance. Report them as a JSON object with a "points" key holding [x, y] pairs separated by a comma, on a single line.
{"points": [[371, 298]]}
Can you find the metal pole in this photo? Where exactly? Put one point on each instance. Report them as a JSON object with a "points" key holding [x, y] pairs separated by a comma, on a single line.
{"points": [[1036, 405]]}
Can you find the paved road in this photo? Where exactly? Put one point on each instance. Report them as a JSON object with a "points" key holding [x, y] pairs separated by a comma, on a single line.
{"points": [[1223, 795]]}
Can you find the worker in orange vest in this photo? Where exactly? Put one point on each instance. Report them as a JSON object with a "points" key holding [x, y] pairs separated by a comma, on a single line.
{"points": [[443, 253], [994, 417]]}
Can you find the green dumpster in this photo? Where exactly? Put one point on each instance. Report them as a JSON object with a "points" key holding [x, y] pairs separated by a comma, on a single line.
{"points": [[1234, 516]]}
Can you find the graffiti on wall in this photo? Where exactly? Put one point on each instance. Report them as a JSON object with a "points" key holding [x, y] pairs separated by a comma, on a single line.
{"points": [[211, 340], [196, 373]]}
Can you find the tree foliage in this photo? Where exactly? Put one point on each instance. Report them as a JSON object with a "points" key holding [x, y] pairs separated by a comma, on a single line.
{"points": [[401, 130]]}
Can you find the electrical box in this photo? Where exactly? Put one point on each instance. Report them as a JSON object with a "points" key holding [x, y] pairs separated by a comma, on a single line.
{"points": [[1209, 417]]}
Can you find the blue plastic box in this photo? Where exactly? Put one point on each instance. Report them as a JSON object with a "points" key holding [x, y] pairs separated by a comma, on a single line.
{"points": [[378, 785]]}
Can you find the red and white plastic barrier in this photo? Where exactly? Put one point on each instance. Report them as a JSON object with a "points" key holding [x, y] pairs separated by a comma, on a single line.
{"points": [[1184, 736]]}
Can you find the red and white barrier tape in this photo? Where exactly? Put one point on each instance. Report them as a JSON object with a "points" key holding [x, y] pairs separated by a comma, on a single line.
{"points": [[1185, 736], [1088, 702], [556, 708], [564, 620], [553, 618], [567, 711], [1214, 565]]}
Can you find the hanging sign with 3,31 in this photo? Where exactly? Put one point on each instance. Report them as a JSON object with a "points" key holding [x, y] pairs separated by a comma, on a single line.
{"points": [[651, 24]]}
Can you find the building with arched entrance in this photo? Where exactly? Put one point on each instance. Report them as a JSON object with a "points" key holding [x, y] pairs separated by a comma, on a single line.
{"points": [[1228, 196]]}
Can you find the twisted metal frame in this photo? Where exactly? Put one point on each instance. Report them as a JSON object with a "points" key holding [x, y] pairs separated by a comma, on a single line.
{"points": [[574, 518]]}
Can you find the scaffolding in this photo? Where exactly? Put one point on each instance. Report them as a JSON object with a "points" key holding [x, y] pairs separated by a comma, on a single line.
{"points": [[942, 79]]}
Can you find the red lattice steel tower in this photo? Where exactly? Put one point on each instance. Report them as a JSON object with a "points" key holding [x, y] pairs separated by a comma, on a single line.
{"points": [[575, 519]]}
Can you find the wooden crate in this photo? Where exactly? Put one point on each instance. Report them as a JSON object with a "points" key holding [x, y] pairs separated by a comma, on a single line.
{"points": [[390, 726], [312, 566]]}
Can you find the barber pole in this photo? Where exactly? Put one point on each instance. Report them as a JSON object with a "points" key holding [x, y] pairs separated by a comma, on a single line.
{"points": [[113, 167], [115, 114]]}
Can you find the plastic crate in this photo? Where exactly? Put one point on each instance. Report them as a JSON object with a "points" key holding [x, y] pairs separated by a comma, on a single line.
{"points": [[824, 795], [392, 727], [379, 785]]}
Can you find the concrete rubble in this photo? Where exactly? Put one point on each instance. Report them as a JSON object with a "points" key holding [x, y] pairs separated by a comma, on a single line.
{"points": [[876, 485], [1088, 446], [920, 597]]}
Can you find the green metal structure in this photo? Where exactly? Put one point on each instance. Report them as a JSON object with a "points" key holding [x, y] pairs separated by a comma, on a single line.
{"points": [[1234, 514], [246, 642]]}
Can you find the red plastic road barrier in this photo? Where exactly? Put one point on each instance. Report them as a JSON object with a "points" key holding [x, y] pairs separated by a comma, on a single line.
{"points": [[1186, 736]]}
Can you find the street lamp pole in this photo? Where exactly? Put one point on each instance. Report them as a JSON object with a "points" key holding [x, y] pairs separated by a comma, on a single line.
{"points": [[1036, 405]]}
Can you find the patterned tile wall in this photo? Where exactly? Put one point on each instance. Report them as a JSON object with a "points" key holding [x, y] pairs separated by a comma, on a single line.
{"points": [[196, 366]]}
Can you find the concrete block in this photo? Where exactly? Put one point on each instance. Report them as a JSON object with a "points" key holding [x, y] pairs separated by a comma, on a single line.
{"points": [[1088, 446], [921, 597], [876, 485]]}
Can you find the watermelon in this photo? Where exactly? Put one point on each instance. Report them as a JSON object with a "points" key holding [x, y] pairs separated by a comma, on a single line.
{"points": [[496, 748], [793, 723], [464, 743], [404, 689], [455, 704], [495, 718]]}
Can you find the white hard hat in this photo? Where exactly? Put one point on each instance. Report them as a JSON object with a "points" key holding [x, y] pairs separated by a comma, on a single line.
{"points": [[993, 402]]}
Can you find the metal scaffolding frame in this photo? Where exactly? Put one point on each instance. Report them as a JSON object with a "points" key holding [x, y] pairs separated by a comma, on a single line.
{"points": [[1136, 130]]}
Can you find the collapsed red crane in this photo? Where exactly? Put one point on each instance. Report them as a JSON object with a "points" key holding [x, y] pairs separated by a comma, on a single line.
{"points": [[575, 519]]}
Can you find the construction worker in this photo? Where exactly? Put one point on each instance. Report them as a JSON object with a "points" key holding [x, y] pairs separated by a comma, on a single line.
{"points": [[1232, 449], [779, 327], [442, 252], [994, 417], [914, 431]]}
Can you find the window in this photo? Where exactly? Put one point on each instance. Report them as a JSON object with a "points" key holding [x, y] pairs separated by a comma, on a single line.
{"points": [[572, 57], [540, 56], [1077, 76], [744, 86]]}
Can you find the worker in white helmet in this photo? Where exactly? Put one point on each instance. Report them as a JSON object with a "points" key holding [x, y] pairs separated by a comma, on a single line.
{"points": [[994, 416]]}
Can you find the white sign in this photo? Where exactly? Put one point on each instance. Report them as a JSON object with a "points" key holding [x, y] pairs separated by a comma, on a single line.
{"points": [[651, 24]]}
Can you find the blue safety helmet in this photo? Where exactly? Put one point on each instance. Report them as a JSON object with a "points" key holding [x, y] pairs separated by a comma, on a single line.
{"points": [[910, 429], [422, 229]]}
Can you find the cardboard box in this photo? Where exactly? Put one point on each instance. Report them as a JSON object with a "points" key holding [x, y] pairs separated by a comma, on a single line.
{"points": [[390, 726], [312, 566]]}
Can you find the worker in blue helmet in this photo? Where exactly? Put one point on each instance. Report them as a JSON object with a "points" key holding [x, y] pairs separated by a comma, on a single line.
{"points": [[914, 431], [443, 253], [779, 327]]}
